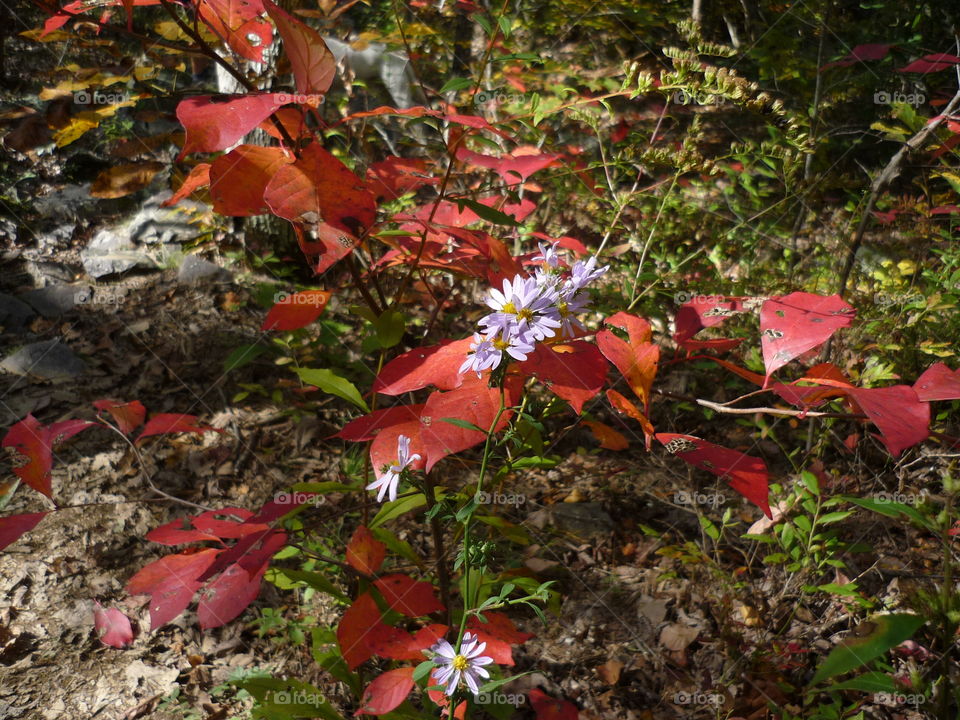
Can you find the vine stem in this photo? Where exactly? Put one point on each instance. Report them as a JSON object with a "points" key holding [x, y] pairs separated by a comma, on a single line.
{"points": [[436, 529]]}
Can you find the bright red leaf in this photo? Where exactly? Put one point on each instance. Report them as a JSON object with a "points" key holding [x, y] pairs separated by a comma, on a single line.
{"points": [[239, 179], [227, 596], [386, 692], [169, 423], [745, 474], [411, 597], [830, 382], [128, 416], [236, 21], [436, 365], [548, 708], [314, 66], [364, 552], [171, 583], [199, 177], [574, 371], [34, 443], [902, 418], [318, 187], [176, 532], [13, 526], [396, 176], [215, 122], [637, 359], [366, 427], [513, 168], [938, 382], [499, 633], [934, 62], [113, 627], [297, 310], [792, 324], [357, 622], [624, 406]]}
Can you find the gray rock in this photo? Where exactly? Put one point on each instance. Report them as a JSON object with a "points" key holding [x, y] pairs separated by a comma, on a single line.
{"points": [[65, 203], [196, 270], [585, 520], [14, 314], [55, 300], [48, 360], [112, 263]]}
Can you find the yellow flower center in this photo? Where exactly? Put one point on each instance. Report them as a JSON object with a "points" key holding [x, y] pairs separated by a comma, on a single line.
{"points": [[525, 314], [509, 308], [562, 307], [501, 344], [460, 663]]}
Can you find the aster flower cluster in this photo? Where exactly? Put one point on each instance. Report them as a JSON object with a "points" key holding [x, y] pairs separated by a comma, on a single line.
{"points": [[531, 309]]}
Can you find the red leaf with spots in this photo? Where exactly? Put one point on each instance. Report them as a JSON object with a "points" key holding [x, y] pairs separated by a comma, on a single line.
{"points": [[902, 418], [474, 403], [318, 187], [297, 310], [386, 692], [574, 371], [178, 532], [411, 597], [13, 526], [437, 365], [113, 627], [236, 21], [704, 311], [744, 473], [364, 552], [314, 66], [938, 382], [395, 176], [793, 324], [169, 423], [548, 708], [239, 179], [227, 596], [128, 416], [357, 623], [215, 122], [34, 443]]}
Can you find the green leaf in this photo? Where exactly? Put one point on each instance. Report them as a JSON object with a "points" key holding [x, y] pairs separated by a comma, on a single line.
{"points": [[397, 546], [810, 480], [330, 382], [488, 213], [893, 509], [456, 83], [397, 508], [511, 532], [288, 699], [871, 682], [390, 327], [312, 579], [463, 424], [422, 670], [885, 632], [835, 517], [241, 356]]}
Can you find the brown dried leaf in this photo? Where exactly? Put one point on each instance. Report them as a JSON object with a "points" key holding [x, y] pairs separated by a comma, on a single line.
{"points": [[124, 179]]}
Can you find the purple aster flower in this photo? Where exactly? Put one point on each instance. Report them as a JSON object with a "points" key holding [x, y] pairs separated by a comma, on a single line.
{"points": [[548, 255], [391, 478], [466, 664], [487, 352], [584, 273], [523, 305], [569, 304]]}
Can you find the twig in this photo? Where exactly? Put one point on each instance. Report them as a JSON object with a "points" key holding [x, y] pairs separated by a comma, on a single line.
{"points": [[720, 408]]}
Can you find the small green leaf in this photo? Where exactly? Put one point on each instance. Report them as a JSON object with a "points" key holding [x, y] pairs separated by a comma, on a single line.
{"points": [[397, 508], [241, 356], [422, 670], [871, 682], [885, 632], [488, 213], [456, 83], [463, 424], [330, 382], [390, 328]]}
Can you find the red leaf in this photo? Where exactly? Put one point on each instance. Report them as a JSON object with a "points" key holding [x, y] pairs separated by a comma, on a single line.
{"points": [[624, 406], [395, 644], [938, 382], [239, 179], [902, 418], [199, 177], [168, 423], [366, 427], [513, 168], [745, 474], [861, 53], [383, 449], [236, 21], [297, 310], [171, 582], [499, 633], [318, 187], [386, 692], [703, 311], [934, 62], [436, 365], [228, 522], [574, 371], [407, 595], [364, 552], [13, 526], [795, 323], [215, 122], [357, 623], [636, 360], [395, 176], [548, 708], [812, 396], [34, 444], [170, 598], [607, 437], [227, 596], [113, 627], [314, 66], [176, 532], [474, 403], [128, 416]]}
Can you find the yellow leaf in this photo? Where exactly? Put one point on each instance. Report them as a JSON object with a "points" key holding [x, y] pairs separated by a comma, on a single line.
{"points": [[75, 129]]}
